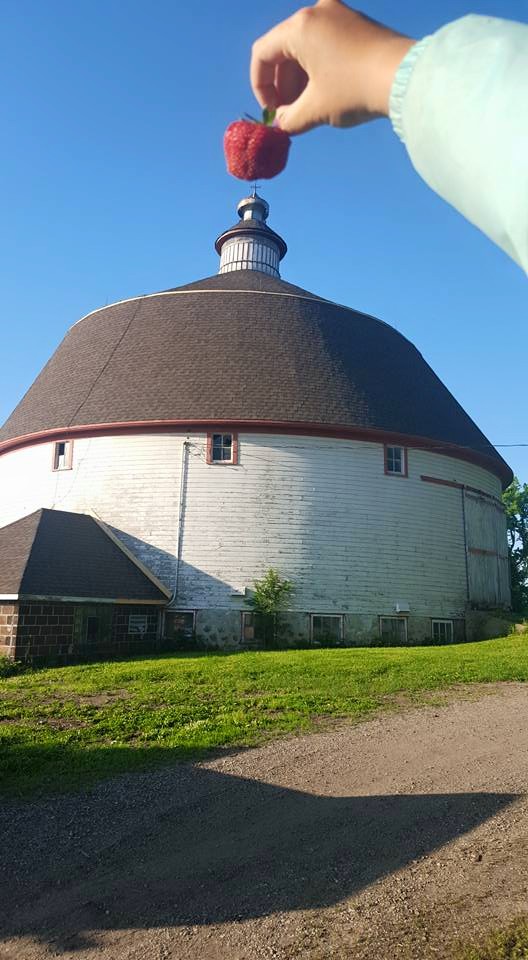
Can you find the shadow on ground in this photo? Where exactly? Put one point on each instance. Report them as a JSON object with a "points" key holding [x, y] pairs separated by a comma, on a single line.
{"points": [[189, 845]]}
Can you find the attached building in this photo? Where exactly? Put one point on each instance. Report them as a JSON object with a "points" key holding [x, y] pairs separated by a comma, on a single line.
{"points": [[71, 589], [240, 423]]}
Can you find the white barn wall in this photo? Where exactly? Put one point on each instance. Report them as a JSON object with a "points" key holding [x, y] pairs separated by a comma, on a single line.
{"points": [[320, 510], [130, 482], [324, 513]]}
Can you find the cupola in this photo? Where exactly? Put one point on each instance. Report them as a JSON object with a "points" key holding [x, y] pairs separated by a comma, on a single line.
{"points": [[251, 244]]}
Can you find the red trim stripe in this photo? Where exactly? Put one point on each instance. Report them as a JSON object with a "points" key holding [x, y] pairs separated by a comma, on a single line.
{"points": [[486, 553], [443, 483], [462, 486], [292, 427]]}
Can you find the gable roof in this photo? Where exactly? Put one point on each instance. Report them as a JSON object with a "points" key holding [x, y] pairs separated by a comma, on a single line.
{"points": [[54, 553], [244, 346]]}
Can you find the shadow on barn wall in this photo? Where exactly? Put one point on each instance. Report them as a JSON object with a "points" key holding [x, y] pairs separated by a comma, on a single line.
{"points": [[218, 610], [161, 563], [195, 587]]}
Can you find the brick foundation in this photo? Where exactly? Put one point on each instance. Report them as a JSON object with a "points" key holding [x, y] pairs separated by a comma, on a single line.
{"points": [[8, 629], [125, 642], [61, 632], [45, 631]]}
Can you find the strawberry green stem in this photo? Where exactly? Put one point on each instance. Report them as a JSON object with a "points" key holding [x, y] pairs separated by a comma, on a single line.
{"points": [[268, 116]]}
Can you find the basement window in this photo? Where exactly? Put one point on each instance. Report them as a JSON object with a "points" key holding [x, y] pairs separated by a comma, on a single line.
{"points": [[326, 629], [179, 625], [137, 623], [396, 461], [393, 630], [248, 627], [92, 629], [442, 631], [257, 628], [63, 455], [222, 448]]}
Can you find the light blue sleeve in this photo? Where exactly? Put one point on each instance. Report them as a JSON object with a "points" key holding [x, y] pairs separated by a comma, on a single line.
{"points": [[459, 102]]}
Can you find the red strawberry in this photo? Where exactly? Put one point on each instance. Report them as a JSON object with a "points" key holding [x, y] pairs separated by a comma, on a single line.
{"points": [[255, 151]]}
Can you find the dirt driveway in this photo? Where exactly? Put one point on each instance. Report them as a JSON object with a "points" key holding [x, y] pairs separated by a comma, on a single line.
{"points": [[388, 839]]}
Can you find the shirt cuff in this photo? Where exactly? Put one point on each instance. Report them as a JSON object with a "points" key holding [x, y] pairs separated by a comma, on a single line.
{"points": [[400, 83]]}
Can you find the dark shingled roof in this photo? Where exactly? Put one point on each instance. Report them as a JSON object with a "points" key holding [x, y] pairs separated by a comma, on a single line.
{"points": [[249, 227], [52, 553], [243, 346]]}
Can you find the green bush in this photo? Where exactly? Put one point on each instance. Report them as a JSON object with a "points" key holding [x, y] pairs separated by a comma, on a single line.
{"points": [[511, 943], [9, 667]]}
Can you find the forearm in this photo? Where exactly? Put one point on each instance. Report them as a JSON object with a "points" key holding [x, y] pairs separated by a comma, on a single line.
{"points": [[459, 102]]}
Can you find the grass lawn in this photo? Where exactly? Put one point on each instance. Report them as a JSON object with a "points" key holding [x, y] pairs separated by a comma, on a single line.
{"points": [[65, 727]]}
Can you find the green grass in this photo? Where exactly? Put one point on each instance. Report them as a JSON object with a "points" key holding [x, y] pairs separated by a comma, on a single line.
{"points": [[65, 727], [510, 943]]}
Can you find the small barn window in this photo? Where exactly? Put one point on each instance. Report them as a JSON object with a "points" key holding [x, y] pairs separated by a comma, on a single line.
{"points": [[248, 627], [396, 461], [137, 623], [63, 455], [393, 629], [326, 629], [257, 628], [92, 629], [443, 631], [222, 448], [179, 625]]}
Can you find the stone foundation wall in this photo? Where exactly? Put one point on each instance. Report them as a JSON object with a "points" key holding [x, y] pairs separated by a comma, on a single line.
{"points": [[487, 624], [222, 629], [69, 632]]}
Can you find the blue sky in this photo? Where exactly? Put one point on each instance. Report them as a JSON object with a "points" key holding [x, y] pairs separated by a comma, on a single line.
{"points": [[113, 184]]}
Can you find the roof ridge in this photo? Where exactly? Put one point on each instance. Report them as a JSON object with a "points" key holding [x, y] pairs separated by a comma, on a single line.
{"points": [[269, 293], [107, 530], [48, 553], [34, 513]]}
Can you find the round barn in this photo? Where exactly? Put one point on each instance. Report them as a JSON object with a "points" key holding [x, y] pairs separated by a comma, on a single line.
{"points": [[236, 424]]}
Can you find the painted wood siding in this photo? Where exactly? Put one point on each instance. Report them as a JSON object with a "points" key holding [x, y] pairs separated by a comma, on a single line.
{"points": [[132, 483], [322, 511]]}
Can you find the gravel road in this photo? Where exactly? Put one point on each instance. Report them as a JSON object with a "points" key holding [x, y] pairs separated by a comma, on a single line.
{"points": [[392, 838]]}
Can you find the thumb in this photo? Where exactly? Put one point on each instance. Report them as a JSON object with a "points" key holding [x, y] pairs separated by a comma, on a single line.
{"points": [[301, 115]]}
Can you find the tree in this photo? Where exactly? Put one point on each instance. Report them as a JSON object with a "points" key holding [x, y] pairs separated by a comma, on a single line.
{"points": [[515, 501], [270, 595]]}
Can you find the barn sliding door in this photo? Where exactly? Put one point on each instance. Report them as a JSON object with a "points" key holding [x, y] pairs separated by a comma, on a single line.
{"points": [[487, 551]]}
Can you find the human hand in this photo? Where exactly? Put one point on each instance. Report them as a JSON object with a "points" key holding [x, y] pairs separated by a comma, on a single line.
{"points": [[326, 64]]}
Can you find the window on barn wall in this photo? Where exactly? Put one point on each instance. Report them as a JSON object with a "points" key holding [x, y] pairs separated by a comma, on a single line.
{"points": [[222, 448], [326, 628], [257, 628], [443, 631], [248, 627], [179, 625], [63, 455], [92, 629], [137, 623], [396, 461], [393, 629]]}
